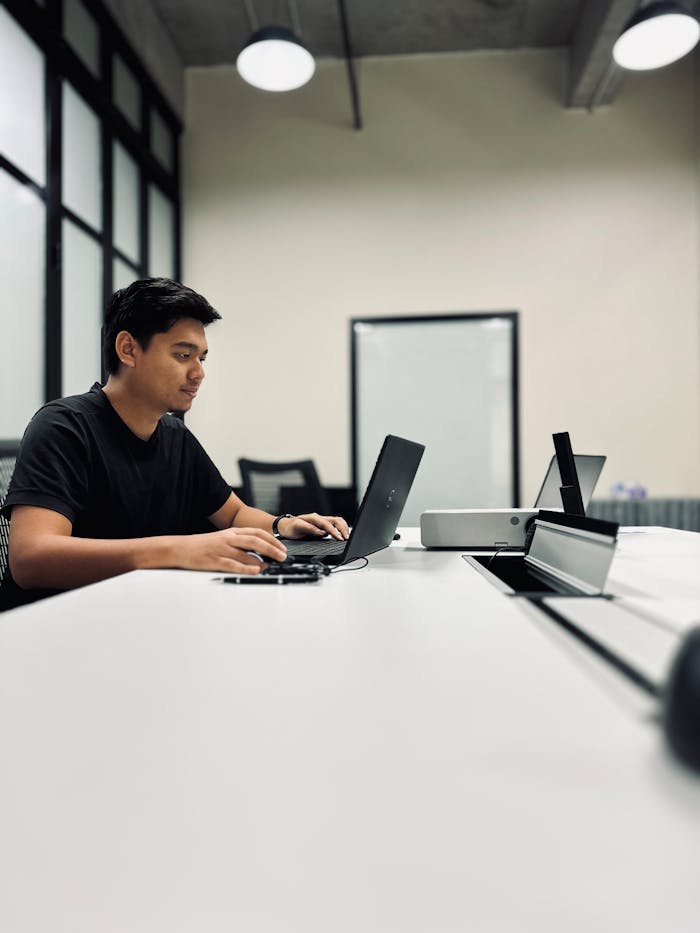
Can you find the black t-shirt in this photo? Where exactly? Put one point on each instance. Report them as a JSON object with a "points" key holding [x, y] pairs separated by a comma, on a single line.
{"points": [[80, 459]]}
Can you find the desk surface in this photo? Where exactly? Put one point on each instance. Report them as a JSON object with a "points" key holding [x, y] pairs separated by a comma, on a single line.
{"points": [[399, 748]]}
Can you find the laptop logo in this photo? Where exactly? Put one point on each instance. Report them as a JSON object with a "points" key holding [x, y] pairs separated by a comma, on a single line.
{"points": [[390, 499]]}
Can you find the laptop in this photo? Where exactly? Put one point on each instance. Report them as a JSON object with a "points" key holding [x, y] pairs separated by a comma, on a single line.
{"points": [[588, 466], [379, 512]]}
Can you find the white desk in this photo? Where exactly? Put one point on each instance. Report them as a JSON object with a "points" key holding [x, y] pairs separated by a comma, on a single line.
{"points": [[400, 748]]}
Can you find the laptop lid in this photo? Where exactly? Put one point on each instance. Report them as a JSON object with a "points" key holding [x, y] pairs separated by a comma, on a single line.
{"points": [[588, 466], [381, 507]]}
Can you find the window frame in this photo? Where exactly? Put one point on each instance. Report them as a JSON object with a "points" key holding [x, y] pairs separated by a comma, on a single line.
{"points": [[44, 25]]}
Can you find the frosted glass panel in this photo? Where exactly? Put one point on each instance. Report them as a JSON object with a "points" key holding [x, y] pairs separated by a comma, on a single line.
{"points": [[127, 94], [22, 224], [126, 203], [448, 384], [82, 309], [161, 234], [22, 128], [161, 141], [122, 274], [80, 29], [82, 169]]}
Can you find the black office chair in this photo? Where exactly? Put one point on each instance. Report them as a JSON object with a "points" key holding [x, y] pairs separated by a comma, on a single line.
{"points": [[278, 488], [8, 455]]}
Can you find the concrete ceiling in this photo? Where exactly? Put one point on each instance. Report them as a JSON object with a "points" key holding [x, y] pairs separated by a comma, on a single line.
{"points": [[211, 32]]}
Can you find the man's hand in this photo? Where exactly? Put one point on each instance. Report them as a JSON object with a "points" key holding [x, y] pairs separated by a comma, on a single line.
{"points": [[229, 550], [301, 526], [242, 517]]}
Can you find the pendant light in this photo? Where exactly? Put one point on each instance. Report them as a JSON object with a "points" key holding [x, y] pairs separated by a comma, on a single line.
{"points": [[275, 58], [655, 36]]}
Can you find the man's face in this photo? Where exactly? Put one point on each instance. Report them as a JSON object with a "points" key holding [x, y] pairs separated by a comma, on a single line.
{"points": [[170, 371]]}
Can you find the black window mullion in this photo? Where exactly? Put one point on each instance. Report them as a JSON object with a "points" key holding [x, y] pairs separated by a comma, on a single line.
{"points": [[177, 232], [127, 260], [54, 239], [107, 177], [144, 224], [107, 213], [77, 220], [145, 178], [22, 177], [36, 22]]}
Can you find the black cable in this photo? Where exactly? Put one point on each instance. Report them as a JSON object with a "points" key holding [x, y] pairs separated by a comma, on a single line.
{"points": [[345, 567], [504, 547]]}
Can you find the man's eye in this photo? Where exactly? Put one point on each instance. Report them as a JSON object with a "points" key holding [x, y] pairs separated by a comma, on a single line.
{"points": [[183, 356]]}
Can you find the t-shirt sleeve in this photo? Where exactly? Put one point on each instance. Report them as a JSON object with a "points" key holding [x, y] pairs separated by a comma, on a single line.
{"points": [[51, 468], [211, 489]]}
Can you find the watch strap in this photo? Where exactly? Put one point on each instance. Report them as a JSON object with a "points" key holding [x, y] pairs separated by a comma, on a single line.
{"points": [[276, 523]]}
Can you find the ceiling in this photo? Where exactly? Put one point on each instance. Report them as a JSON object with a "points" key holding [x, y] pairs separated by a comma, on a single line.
{"points": [[211, 32]]}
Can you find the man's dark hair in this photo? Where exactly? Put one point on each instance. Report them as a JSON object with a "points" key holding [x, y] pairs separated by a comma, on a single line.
{"points": [[148, 307]]}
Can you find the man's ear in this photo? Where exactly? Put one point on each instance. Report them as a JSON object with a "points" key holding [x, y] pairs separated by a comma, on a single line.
{"points": [[127, 348]]}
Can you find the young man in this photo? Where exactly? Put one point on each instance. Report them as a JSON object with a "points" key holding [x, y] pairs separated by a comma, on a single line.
{"points": [[108, 481]]}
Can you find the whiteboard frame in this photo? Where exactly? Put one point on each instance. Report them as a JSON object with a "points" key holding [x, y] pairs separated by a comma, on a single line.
{"points": [[470, 317]]}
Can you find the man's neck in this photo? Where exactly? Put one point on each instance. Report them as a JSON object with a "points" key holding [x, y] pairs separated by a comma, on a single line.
{"points": [[140, 420]]}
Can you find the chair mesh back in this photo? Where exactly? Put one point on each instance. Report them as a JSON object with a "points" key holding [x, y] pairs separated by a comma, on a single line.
{"points": [[7, 465], [266, 488], [286, 486]]}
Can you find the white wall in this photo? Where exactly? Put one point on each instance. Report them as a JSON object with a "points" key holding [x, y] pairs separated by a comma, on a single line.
{"points": [[470, 188]]}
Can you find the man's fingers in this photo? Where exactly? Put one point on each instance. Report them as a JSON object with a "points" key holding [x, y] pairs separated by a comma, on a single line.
{"points": [[334, 525], [260, 542], [341, 525], [305, 527], [229, 565]]}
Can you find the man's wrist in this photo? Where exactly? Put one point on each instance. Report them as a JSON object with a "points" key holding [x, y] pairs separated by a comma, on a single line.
{"points": [[276, 524], [157, 552]]}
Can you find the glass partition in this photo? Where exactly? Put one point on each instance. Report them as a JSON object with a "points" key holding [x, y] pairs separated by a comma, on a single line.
{"points": [[82, 165], [122, 274], [22, 107], [82, 33], [162, 141], [126, 203], [127, 93], [22, 248], [82, 309], [161, 234]]}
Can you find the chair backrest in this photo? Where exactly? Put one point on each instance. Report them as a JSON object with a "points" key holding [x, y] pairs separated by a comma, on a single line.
{"points": [[8, 455], [282, 487]]}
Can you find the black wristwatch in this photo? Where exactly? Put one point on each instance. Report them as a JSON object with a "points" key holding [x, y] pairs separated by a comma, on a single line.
{"points": [[276, 524]]}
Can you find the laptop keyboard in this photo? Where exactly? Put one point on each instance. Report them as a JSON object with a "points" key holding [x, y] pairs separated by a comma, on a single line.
{"points": [[322, 548]]}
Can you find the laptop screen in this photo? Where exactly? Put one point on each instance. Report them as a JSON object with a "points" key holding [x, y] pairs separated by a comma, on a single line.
{"points": [[588, 467]]}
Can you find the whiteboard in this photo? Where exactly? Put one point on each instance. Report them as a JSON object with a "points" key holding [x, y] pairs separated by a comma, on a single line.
{"points": [[449, 382]]}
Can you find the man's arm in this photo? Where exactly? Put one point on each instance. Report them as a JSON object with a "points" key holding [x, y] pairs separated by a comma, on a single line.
{"points": [[43, 553], [234, 513]]}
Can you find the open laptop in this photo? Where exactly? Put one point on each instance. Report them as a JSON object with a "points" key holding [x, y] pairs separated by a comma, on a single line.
{"points": [[379, 512], [588, 466]]}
